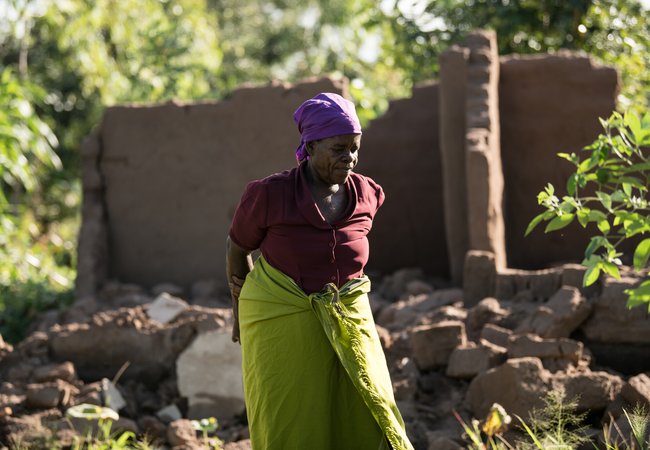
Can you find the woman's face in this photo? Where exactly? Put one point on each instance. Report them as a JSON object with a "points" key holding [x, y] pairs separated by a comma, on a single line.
{"points": [[332, 159]]}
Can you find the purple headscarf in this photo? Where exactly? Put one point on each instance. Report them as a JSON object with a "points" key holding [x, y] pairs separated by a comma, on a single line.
{"points": [[324, 116]]}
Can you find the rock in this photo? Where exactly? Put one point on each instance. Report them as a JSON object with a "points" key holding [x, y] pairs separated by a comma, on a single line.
{"points": [[165, 308], [112, 396], [4, 347], [637, 390], [405, 388], [496, 335], [240, 445], [393, 286], [47, 395], [417, 287], [181, 432], [479, 276], [488, 310], [518, 385], [209, 375], [560, 316], [172, 289], [593, 390], [531, 345], [406, 312], [432, 344], [51, 372], [440, 441], [470, 360], [169, 413], [99, 349], [124, 424], [612, 322], [207, 289], [384, 337], [152, 427]]}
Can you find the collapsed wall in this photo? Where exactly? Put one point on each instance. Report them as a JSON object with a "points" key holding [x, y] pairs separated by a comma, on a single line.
{"points": [[161, 182], [502, 126], [461, 162]]}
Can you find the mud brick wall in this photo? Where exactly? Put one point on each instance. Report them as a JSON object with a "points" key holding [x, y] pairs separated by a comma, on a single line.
{"points": [[548, 104], [400, 151]]}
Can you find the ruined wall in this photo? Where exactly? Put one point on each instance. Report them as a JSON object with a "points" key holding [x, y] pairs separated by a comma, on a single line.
{"points": [[548, 104], [400, 151], [161, 182], [170, 177]]}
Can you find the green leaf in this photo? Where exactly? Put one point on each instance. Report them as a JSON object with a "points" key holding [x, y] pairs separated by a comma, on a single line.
{"points": [[533, 223], [591, 275], [603, 226], [594, 244], [596, 216], [583, 216], [602, 175], [641, 254], [559, 222], [627, 188], [605, 199], [571, 184], [611, 269], [639, 296], [634, 124]]}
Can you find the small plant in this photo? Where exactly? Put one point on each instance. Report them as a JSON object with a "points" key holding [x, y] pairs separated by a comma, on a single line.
{"points": [[556, 425], [610, 189], [207, 427], [488, 435], [638, 420]]}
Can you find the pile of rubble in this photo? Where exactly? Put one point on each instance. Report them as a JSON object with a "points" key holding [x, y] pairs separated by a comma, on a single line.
{"points": [[160, 360]]}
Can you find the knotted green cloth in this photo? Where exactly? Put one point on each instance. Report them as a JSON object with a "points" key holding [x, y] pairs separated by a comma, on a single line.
{"points": [[315, 375]]}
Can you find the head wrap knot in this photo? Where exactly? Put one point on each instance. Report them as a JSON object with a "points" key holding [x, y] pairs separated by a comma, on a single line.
{"points": [[324, 116]]}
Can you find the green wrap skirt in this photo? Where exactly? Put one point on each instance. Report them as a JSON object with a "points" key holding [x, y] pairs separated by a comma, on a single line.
{"points": [[315, 375]]}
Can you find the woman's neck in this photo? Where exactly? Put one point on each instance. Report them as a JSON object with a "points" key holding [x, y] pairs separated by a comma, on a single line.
{"points": [[319, 187]]}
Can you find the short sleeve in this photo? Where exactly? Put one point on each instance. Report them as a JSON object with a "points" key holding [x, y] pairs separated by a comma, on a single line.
{"points": [[378, 194], [249, 224]]}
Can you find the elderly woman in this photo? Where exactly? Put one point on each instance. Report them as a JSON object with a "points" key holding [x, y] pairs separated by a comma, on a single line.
{"points": [[315, 376]]}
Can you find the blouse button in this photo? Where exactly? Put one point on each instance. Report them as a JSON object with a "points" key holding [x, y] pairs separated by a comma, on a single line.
{"points": [[332, 260], [331, 244], [333, 278]]}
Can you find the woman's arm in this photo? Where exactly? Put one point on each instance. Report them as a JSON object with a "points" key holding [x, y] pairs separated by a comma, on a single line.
{"points": [[238, 263]]}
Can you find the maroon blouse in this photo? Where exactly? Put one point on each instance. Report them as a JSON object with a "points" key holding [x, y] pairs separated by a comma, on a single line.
{"points": [[278, 215]]}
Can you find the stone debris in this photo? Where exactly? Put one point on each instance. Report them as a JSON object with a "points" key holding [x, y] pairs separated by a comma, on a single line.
{"points": [[637, 390], [531, 345], [166, 308], [169, 413], [518, 385], [211, 353], [495, 334], [565, 311], [443, 354], [112, 396], [433, 344], [468, 361]]}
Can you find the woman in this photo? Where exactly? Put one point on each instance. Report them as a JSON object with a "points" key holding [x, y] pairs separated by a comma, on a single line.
{"points": [[315, 376]]}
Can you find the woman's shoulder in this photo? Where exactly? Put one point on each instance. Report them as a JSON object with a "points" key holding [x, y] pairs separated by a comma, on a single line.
{"points": [[366, 184], [272, 183], [368, 191]]}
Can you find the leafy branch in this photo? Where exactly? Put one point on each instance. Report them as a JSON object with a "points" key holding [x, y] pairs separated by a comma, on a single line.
{"points": [[610, 189]]}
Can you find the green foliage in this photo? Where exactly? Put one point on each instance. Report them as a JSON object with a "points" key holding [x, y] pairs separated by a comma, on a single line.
{"points": [[608, 189], [616, 32], [556, 425], [639, 422]]}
